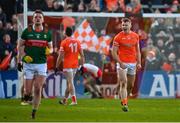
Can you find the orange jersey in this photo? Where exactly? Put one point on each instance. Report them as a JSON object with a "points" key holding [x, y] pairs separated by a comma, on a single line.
{"points": [[71, 49], [127, 44]]}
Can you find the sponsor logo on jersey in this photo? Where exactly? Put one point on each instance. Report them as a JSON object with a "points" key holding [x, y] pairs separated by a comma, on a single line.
{"points": [[45, 36]]}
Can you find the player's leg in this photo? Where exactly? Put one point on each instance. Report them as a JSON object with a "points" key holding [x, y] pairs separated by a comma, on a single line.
{"points": [[123, 89], [66, 96], [28, 81], [38, 84], [117, 88], [40, 71], [116, 95], [70, 80], [117, 92], [131, 75], [28, 85], [131, 80], [88, 86], [22, 92], [96, 88]]}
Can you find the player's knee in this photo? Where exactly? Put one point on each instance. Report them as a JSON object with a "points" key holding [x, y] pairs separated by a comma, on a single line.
{"points": [[37, 90]]}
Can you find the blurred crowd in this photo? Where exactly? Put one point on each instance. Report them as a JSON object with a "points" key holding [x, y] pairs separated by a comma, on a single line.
{"points": [[8, 33], [160, 37], [129, 6]]}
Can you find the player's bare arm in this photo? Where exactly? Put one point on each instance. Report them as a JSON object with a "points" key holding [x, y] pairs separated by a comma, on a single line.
{"points": [[20, 48], [138, 57], [82, 57], [60, 58], [116, 57]]}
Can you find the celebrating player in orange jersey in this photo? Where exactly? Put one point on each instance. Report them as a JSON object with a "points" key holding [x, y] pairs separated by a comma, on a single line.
{"points": [[69, 50], [126, 52]]}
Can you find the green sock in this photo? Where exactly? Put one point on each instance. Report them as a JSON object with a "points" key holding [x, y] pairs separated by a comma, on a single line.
{"points": [[34, 110]]}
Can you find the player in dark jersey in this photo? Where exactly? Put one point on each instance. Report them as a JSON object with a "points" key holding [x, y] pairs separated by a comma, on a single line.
{"points": [[34, 45]]}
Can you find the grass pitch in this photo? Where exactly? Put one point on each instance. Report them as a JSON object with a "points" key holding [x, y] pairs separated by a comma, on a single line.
{"points": [[93, 110]]}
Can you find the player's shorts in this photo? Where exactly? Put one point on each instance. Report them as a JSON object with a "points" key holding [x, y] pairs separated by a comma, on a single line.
{"points": [[30, 70], [69, 72], [131, 68], [98, 74]]}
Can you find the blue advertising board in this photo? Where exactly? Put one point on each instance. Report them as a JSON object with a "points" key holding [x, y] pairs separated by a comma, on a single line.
{"points": [[159, 84], [9, 84], [56, 85]]}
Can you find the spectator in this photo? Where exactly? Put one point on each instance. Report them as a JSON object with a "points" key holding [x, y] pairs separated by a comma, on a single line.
{"points": [[14, 34], [74, 4], [160, 45], [176, 29], [178, 64], [159, 29], [94, 7], [170, 46], [6, 48], [48, 5], [152, 62], [112, 5], [133, 7], [1, 31], [174, 8], [81, 7], [57, 6], [2, 16], [170, 65], [36, 4]]}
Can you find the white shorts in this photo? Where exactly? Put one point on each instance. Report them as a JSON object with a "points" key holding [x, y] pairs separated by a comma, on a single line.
{"points": [[131, 68], [34, 69], [70, 72]]}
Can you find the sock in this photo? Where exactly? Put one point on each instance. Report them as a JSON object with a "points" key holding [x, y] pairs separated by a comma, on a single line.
{"points": [[73, 98], [26, 97], [34, 110], [124, 101]]}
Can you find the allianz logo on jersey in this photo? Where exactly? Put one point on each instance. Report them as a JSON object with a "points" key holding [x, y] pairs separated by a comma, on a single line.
{"points": [[126, 38], [30, 35], [128, 45]]}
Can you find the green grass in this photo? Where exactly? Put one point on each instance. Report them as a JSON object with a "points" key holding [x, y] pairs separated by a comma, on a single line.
{"points": [[94, 110]]}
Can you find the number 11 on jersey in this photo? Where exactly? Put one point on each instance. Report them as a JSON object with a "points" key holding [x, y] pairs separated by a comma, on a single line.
{"points": [[73, 47]]}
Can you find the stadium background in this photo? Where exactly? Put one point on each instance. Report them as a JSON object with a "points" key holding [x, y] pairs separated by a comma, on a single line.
{"points": [[157, 23]]}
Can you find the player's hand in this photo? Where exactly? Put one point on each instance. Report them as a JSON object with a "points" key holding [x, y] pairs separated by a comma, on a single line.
{"points": [[47, 51], [139, 66], [27, 59], [123, 66], [20, 67]]}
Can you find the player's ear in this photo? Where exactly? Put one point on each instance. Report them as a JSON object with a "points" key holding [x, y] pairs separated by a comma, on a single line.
{"points": [[42, 19], [130, 25]]}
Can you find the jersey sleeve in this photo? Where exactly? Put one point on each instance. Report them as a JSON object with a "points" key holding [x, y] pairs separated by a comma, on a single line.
{"points": [[49, 36], [116, 41], [24, 34]]}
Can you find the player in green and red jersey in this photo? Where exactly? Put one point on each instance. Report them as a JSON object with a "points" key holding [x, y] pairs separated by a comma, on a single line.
{"points": [[34, 45]]}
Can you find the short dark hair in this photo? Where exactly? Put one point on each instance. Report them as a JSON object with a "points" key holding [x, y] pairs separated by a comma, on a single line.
{"points": [[38, 11], [69, 31], [126, 20]]}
